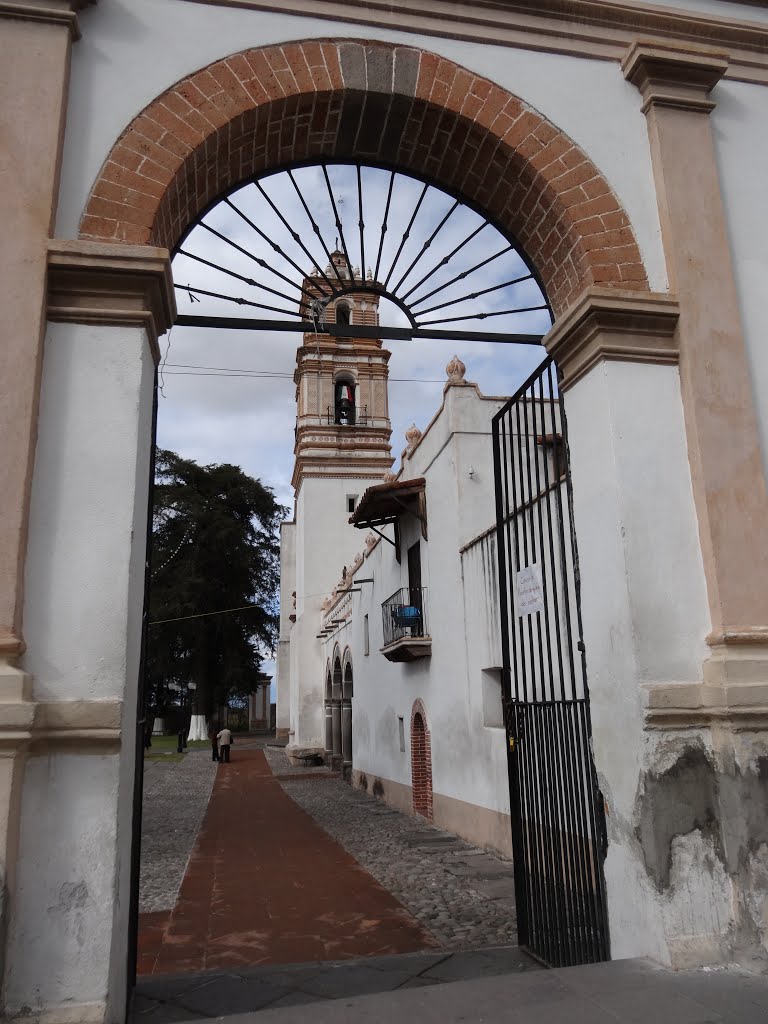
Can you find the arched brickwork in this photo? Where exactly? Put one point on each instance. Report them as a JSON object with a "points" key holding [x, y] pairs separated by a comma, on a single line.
{"points": [[421, 761], [403, 107]]}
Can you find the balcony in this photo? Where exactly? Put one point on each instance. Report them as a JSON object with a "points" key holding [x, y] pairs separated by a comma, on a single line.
{"points": [[357, 417], [406, 629]]}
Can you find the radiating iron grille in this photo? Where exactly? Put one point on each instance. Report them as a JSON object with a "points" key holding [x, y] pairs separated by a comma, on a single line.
{"points": [[404, 615], [558, 819], [354, 229]]}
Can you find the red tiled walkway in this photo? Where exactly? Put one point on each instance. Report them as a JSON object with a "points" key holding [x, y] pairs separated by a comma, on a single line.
{"points": [[266, 885]]}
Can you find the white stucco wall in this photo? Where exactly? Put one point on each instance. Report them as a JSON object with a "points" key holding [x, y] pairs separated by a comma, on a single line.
{"points": [[468, 758], [82, 621], [644, 608]]}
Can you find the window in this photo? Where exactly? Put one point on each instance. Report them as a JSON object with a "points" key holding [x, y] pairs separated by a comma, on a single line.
{"points": [[343, 316], [490, 681], [367, 639], [351, 502], [401, 731], [344, 403]]}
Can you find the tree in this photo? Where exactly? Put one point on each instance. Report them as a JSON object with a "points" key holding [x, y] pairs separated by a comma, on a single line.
{"points": [[215, 546]]}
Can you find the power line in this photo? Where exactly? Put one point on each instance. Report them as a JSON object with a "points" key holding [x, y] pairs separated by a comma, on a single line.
{"points": [[223, 611], [194, 370], [202, 615]]}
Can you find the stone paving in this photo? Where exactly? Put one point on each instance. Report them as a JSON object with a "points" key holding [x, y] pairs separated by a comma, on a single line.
{"points": [[464, 896], [265, 884], [176, 794], [208, 994]]}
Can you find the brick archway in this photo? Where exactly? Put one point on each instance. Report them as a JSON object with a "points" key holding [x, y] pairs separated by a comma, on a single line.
{"points": [[421, 761], [402, 107]]}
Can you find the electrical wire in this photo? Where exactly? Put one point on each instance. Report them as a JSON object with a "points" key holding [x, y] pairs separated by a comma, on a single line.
{"points": [[226, 611], [192, 370], [202, 615]]}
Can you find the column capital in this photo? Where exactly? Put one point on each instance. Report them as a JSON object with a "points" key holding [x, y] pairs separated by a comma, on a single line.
{"points": [[93, 282], [605, 323], [51, 12], [670, 77]]}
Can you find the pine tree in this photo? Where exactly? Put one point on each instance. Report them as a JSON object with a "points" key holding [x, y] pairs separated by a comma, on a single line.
{"points": [[215, 546]]}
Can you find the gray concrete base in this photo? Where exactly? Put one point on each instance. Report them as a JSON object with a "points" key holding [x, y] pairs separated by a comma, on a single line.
{"points": [[626, 991], [161, 1000]]}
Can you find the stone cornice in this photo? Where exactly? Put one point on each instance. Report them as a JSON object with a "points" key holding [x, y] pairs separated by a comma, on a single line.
{"points": [[671, 77], [738, 707], [607, 324], [92, 282], [37, 726], [598, 29], [55, 12]]}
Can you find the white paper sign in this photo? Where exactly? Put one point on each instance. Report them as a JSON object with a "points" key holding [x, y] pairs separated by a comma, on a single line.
{"points": [[530, 596]]}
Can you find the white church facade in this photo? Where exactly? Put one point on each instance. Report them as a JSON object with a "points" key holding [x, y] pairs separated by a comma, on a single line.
{"points": [[409, 704]]}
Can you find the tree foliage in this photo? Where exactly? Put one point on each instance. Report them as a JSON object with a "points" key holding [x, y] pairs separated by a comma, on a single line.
{"points": [[215, 546]]}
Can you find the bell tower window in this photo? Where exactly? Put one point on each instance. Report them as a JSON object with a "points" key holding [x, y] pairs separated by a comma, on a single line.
{"points": [[344, 404], [343, 314]]}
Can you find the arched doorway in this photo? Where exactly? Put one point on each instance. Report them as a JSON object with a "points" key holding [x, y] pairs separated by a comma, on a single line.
{"points": [[421, 761], [328, 716], [200, 157], [524, 197], [336, 726], [346, 717]]}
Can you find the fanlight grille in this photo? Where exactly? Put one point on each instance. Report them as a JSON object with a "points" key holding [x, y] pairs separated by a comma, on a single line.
{"points": [[358, 229]]}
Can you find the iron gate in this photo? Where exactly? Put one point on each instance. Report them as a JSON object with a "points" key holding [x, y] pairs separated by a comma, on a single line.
{"points": [[558, 818]]}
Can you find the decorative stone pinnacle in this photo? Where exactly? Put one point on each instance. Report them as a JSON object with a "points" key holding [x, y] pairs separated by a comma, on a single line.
{"points": [[412, 436], [455, 370]]}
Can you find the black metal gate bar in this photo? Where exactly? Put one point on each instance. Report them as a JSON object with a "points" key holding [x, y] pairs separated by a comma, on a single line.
{"points": [[558, 819]]}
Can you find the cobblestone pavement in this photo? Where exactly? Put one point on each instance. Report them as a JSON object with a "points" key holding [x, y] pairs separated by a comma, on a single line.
{"points": [[463, 895], [176, 795]]}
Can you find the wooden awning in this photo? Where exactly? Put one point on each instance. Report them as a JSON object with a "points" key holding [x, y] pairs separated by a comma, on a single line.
{"points": [[385, 503]]}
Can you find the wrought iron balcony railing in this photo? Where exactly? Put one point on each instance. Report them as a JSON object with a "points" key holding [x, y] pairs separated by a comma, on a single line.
{"points": [[360, 418], [404, 615]]}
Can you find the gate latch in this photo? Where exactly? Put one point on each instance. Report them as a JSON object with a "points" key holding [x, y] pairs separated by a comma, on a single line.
{"points": [[510, 724]]}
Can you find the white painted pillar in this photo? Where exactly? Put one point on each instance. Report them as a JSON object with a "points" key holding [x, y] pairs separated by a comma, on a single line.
{"points": [[645, 613], [68, 934]]}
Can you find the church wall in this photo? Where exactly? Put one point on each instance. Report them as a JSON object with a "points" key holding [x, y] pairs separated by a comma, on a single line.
{"points": [[468, 760]]}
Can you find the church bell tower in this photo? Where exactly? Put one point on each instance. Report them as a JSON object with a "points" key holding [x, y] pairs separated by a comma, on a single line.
{"points": [[342, 421]]}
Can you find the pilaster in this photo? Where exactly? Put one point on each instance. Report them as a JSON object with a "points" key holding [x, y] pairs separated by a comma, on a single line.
{"points": [[729, 485]]}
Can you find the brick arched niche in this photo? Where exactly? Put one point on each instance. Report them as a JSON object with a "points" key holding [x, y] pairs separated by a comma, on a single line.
{"points": [[421, 761], [402, 107]]}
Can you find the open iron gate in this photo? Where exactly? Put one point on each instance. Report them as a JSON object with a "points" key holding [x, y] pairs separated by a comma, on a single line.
{"points": [[558, 818]]}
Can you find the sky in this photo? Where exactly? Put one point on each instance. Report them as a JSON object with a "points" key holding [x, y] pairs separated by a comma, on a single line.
{"points": [[228, 395]]}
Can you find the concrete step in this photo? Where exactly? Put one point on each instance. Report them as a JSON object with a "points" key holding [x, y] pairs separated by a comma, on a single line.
{"points": [[627, 991]]}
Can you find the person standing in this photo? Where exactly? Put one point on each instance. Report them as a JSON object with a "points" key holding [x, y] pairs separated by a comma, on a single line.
{"points": [[213, 737], [225, 741]]}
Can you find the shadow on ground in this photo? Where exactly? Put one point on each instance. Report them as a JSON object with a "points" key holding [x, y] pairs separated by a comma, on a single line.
{"points": [[210, 994]]}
